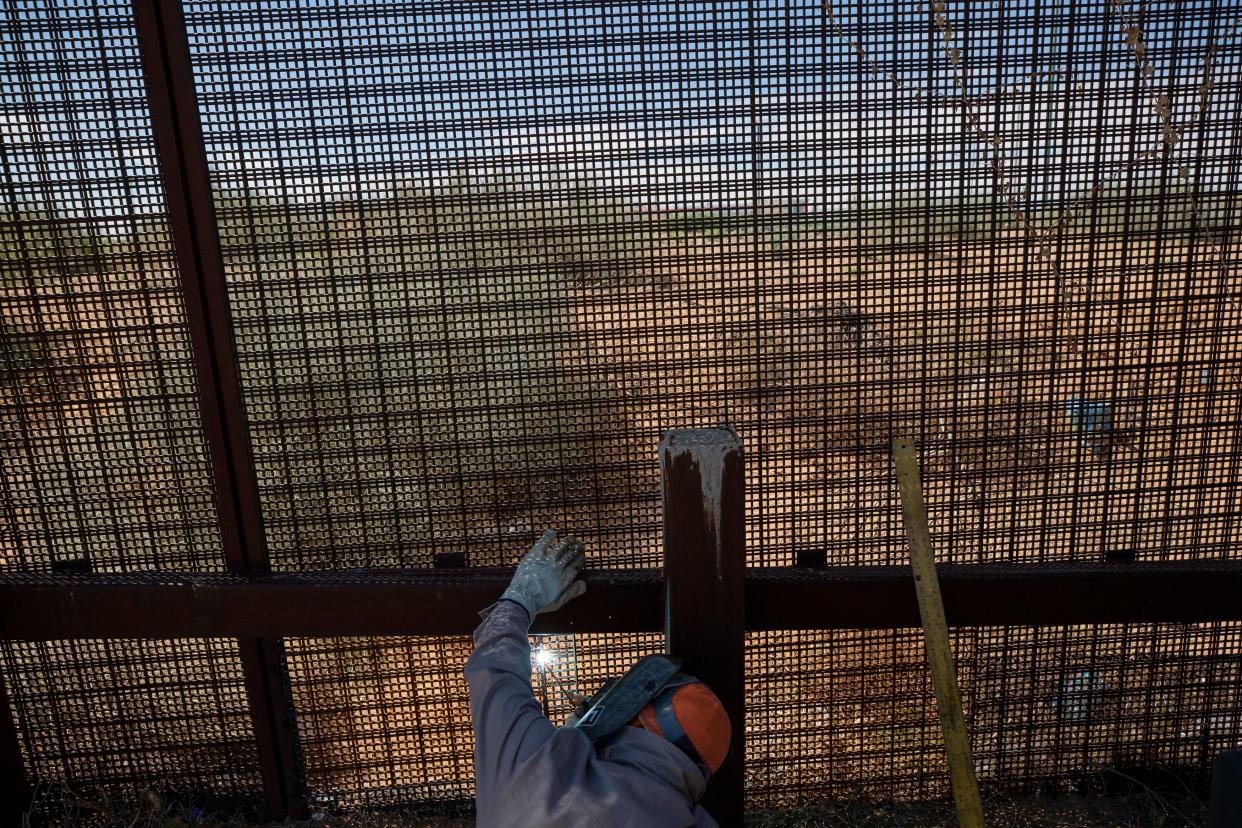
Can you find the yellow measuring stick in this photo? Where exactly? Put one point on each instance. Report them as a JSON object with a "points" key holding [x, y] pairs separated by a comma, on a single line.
{"points": [[936, 636]]}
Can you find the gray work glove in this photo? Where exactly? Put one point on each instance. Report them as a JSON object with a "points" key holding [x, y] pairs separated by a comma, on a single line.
{"points": [[544, 581]]}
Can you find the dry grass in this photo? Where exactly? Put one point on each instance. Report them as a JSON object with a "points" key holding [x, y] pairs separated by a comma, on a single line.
{"points": [[1140, 811], [1143, 809], [62, 806]]}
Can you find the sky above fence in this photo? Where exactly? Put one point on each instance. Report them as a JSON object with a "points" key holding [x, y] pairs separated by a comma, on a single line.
{"points": [[774, 105]]}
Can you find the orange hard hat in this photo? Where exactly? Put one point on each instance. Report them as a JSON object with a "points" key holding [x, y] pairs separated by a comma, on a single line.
{"points": [[689, 715]]}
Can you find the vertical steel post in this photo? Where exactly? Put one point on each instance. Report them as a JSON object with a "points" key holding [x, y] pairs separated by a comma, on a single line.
{"points": [[1225, 803], [15, 792], [178, 132], [704, 570]]}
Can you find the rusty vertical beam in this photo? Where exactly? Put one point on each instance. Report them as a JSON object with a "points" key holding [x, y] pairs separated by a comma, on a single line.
{"points": [[705, 569], [15, 791], [176, 122]]}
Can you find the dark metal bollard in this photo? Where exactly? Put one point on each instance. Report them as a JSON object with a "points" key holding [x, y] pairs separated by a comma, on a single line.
{"points": [[704, 570], [176, 124], [1225, 806], [15, 793]]}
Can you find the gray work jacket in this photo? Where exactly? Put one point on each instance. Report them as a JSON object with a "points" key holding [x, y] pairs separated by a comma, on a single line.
{"points": [[530, 772]]}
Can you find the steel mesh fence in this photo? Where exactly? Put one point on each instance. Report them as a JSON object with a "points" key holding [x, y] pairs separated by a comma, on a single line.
{"points": [[1049, 709], [383, 721], [100, 719], [841, 714], [473, 288], [481, 255], [386, 722], [102, 458]]}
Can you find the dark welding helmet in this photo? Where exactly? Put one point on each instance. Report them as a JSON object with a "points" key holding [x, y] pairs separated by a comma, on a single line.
{"points": [[656, 696]]}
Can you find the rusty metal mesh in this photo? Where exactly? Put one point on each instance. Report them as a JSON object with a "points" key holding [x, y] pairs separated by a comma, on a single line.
{"points": [[385, 721], [101, 718], [481, 254], [103, 466], [1049, 709], [102, 463]]}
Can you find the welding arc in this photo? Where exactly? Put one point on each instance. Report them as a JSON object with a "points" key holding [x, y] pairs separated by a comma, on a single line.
{"points": [[574, 698]]}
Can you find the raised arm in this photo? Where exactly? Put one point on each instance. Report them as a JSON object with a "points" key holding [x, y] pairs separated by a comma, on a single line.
{"points": [[509, 726]]}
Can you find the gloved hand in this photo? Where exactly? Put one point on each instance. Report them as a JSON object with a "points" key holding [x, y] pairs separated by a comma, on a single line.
{"points": [[545, 579]]}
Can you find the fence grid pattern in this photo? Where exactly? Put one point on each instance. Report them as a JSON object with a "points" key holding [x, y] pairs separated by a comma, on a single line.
{"points": [[448, 271]]}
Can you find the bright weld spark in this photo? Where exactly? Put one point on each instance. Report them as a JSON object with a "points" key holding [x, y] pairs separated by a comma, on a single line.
{"points": [[543, 657]]}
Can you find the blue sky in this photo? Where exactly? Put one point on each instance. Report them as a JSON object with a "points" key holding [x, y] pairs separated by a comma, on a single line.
{"points": [[678, 104]]}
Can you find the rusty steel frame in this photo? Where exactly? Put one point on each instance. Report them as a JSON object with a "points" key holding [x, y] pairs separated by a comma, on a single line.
{"points": [[177, 126], [15, 791], [703, 483], [704, 599], [445, 602]]}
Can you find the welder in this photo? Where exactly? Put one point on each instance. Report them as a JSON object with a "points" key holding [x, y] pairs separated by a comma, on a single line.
{"points": [[639, 752]]}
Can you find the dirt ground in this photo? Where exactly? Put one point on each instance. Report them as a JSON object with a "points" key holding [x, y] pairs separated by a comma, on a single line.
{"points": [[1146, 809], [818, 354], [1067, 812]]}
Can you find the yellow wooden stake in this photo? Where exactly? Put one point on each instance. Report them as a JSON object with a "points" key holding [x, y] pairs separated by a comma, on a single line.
{"points": [[936, 636]]}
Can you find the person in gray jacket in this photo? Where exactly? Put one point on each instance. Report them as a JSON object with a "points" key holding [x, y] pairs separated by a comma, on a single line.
{"points": [[651, 772]]}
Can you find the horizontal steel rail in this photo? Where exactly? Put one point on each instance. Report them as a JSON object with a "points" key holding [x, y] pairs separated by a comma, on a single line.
{"points": [[446, 602], [997, 594]]}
